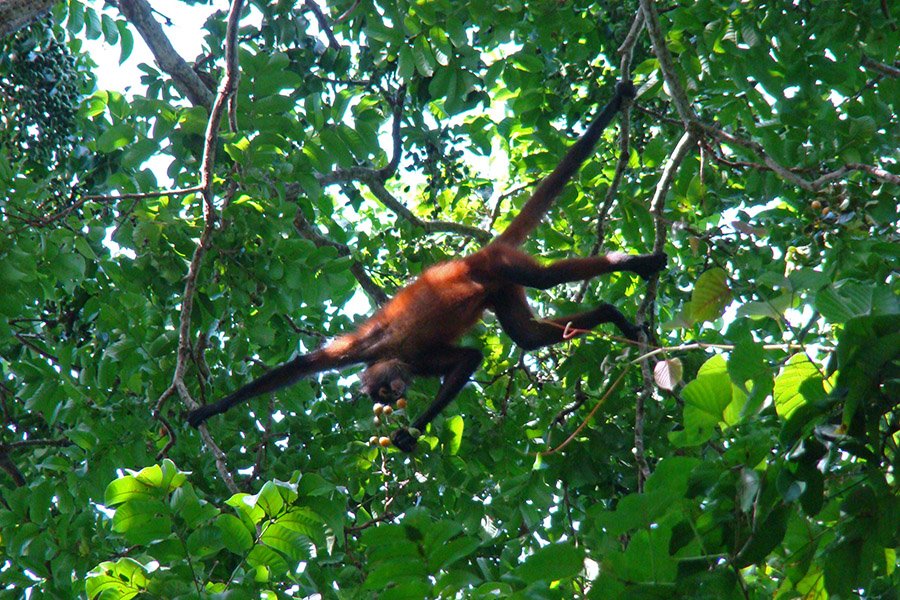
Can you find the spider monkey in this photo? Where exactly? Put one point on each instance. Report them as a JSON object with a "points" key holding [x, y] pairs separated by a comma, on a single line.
{"points": [[414, 333]]}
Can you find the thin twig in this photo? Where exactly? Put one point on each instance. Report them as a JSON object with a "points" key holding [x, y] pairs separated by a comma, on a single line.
{"points": [[666, 64], [323, 24], [584, 423]]}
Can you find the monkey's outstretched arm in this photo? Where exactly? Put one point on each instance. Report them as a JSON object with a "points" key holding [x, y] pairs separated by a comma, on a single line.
{"points": [[550, 187], [456, 365], [279, 377]]}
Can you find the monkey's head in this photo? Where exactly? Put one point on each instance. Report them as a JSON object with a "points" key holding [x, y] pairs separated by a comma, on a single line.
{"points": [[385, 380]]}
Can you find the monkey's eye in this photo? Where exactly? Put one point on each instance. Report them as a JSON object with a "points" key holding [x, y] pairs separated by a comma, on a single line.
{"points": [[384, 392]]}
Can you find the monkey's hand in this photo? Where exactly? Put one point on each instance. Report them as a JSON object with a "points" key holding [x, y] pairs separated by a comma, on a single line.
{"points": [[404, 440], [625, 89], [650, 264], [634, 331]]}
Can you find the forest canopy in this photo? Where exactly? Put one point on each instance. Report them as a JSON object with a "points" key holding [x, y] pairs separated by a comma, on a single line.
{"points": [[167, 240]]}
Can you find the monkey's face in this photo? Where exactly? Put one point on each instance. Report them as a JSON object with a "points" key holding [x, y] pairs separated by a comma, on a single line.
{"points": [[385, 381]]}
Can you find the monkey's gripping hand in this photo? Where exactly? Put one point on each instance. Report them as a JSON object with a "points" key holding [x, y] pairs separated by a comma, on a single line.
{"points": [[404, 440], [625, 89]]}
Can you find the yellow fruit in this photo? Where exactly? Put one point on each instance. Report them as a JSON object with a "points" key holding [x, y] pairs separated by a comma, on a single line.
{"points": [[816, 205], [388, 410], [377, 408], [373, 440], [376, 421], [384, 442], [401, 403]]}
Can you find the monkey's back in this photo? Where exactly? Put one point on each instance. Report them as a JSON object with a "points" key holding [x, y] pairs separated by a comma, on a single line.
{"points": [[432, 311]]}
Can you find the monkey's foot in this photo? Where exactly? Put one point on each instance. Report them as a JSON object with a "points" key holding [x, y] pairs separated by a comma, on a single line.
{"points": [[404, 440]]}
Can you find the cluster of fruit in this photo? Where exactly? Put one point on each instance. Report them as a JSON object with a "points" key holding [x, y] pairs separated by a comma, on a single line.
{"points": [[382, 414]]}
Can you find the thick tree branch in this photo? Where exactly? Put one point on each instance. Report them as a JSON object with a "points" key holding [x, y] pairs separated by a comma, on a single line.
{"points": [[306, 230], [227, 88], [16, 14], [140, 14]]}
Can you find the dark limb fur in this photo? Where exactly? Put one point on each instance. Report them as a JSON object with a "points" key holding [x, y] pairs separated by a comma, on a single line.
{"points": [[279, 377], [456, 365], [529, 332], [549, 188]]}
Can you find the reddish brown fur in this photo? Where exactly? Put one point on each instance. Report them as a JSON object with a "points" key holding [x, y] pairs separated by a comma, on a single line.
{"points": [[415, 332]]}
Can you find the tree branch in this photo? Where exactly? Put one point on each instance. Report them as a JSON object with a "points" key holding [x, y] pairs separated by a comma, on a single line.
{"points": [[16, 14], [657, 206], [666, 64], [400, 210], [309, 232], [227, 88], [323, 24], [880, 67], [140, 14]]}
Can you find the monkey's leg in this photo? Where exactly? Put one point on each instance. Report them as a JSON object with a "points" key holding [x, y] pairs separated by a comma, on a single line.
{"points": [[520, 324], [520, 268], [456, 365]]}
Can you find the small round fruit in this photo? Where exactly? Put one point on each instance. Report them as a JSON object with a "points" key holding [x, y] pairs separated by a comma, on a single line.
{"points": [[373, 441], [401, 403], [816, 205], [377, 408], [376, 421], [388, 410], [384, 442], [826, 211]]}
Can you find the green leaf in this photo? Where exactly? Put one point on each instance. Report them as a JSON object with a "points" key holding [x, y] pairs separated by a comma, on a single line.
{"points": [[76, 17], [142, 521], [787, 392], [552, 563], [122, 580], [127, 41], [705, 399], [290, 543], [423, 57], [445, 555], [406, 63], [455, 426], [269, 499], [235, 535], [110, 32], [117, 136], [124, 489], [206, 541], [263, 556], [840, 303], [710, 296]]}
